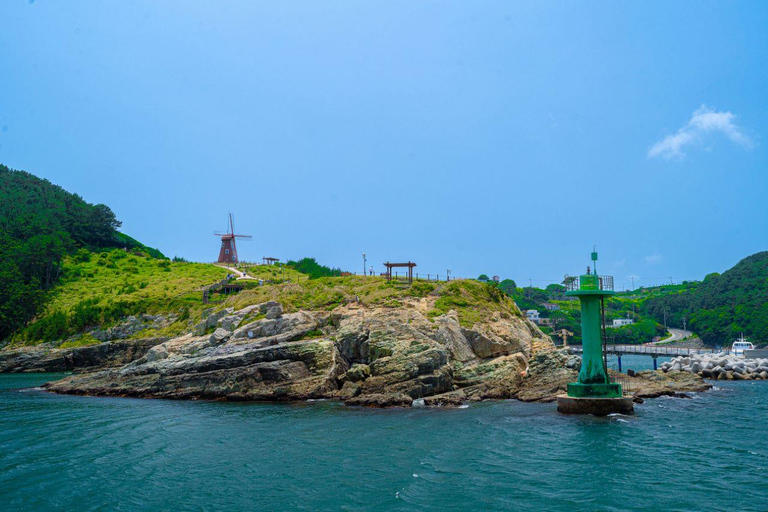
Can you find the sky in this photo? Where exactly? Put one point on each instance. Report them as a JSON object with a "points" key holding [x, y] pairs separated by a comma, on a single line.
{"points": [[503, 138]]}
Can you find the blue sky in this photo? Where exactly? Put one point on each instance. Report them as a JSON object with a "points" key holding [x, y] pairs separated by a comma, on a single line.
{"points": [[496, 137]]}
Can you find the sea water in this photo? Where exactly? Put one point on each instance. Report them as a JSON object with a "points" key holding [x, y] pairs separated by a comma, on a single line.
{"points": [[85, 453]]}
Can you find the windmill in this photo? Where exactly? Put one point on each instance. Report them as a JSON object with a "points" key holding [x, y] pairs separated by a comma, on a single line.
{"points": [[228, 251]]}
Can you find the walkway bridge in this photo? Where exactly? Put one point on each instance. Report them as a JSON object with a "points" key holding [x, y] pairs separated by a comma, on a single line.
{"points": [[646, 350]]}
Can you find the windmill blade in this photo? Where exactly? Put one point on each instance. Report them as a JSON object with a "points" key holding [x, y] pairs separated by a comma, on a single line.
{"points": [[245, 237]]}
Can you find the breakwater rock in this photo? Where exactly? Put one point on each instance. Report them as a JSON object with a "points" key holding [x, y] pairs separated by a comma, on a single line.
{"points": [[720, 366]]}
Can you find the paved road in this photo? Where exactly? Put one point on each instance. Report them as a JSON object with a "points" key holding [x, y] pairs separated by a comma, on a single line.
{"points": [[675, 335]]}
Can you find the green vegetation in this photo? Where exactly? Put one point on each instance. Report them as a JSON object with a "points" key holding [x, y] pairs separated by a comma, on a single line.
{"points": [[471, 300], [313, 269], [99, 289], [565, 312], [717, 308], [276, 273], [40, 224], [637, 333], [723, 305]]}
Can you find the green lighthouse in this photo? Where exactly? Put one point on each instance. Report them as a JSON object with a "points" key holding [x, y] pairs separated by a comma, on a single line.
{"points": [[593, 392]]}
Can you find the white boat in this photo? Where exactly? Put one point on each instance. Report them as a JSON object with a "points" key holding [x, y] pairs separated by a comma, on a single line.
{"points": [[740, 345]]}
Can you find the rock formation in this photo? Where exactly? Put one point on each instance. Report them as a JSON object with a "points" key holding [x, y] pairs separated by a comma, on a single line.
{"points": [[367, 356], [359, 354]]}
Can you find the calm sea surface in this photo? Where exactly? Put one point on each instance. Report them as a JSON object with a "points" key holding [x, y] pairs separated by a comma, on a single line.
{"points": [[82, 453]]}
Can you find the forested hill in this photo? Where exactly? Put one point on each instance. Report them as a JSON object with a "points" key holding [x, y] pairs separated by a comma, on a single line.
{"points": [[40, 223], [724, 305]]}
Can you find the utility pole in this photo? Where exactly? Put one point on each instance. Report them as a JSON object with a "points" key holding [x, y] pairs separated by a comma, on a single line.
{"points": [[670, 280], [633, 283], [684, 324], [665, 318], [364, 263]]}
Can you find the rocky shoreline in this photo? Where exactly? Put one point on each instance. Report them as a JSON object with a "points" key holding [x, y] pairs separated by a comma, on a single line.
{"points": [[377, 356]]}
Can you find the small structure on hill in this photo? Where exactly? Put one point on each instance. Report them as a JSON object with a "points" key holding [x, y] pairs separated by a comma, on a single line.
{"points": [[228, 250], [593, 393], [621, 322], [563, 334], [409, 265], [269, 261]]}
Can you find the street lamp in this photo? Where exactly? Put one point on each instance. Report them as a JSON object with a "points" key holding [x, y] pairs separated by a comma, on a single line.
{"points": [[364, 264]]}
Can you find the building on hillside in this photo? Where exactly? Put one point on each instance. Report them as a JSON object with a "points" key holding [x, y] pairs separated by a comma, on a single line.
{"points": [[551, 307], [620, 322], [532, 315]]}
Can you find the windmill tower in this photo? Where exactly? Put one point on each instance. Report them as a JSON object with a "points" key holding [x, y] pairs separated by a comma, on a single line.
{"points": [[228, 251]]}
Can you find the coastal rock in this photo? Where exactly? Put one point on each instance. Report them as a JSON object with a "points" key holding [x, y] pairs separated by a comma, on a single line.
{"points": [[446, 400], [210, 319], [375, 356], [366, 354], [450, 334], [652, 384], [547, 377], [129, 327], [102, 355], [381, 400]]}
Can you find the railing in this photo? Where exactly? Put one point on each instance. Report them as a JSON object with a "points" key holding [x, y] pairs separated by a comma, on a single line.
{"points": [[621, 378], [404, 276], [588, 282], [648, 349]]}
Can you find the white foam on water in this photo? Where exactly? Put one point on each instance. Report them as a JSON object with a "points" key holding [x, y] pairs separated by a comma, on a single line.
{"points": [[463, 406], [419, 402]]}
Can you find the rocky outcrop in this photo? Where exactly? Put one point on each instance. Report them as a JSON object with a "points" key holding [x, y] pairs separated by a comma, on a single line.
{"points": [[47, 359], [365, 356], [377, 357], [652, 384], [131, 326], [551, 371]]}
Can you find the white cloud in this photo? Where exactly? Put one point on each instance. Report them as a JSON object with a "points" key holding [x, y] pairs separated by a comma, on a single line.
{"points": [[704, 121], [653, 259]]}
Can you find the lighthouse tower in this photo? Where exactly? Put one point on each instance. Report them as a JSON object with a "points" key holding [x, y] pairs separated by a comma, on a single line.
{"points": [[593, 392]]}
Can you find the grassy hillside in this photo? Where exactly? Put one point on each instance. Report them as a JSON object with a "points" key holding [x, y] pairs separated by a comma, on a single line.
{"points": [[99, 289], [40, 225], [723, 305], [472, 300]]}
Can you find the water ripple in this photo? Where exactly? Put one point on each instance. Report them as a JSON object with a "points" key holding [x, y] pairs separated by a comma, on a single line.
{"points": [[59, 452]]}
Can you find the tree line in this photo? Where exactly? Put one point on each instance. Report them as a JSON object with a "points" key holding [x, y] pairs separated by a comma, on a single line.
{"points": [[40, 224]]}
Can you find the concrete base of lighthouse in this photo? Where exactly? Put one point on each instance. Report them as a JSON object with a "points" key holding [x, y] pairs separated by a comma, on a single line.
{"points": [[595, 406]]}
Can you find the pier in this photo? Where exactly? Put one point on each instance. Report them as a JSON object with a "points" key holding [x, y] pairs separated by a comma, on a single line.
{"points": [[646, 350]]}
